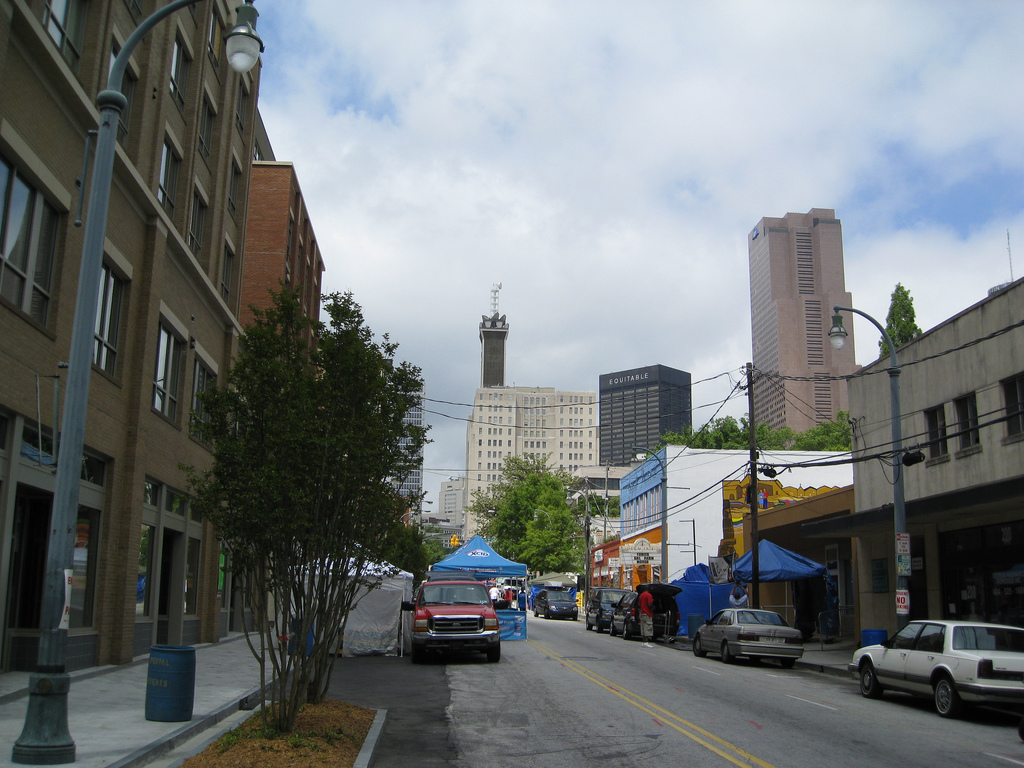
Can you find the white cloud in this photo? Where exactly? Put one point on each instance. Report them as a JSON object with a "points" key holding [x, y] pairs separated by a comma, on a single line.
{"points": [[604, 161]]}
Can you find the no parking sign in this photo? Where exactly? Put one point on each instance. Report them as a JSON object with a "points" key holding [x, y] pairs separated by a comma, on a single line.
{"points": [[902, 602]]}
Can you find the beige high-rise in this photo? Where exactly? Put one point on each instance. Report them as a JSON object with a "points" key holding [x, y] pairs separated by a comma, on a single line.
{"points": [[796, 277]]}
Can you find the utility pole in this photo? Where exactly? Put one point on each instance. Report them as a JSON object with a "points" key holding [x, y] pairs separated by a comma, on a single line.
{"points": [[752, 496]]}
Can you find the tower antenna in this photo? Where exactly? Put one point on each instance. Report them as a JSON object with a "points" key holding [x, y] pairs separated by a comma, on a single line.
{"points": [[497, 287], [1009, 255]]}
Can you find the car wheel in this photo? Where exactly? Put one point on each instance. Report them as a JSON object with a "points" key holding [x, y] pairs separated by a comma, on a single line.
{"points": [[535, 613], [947, 701], [787, 663], [547, 614], [869, 686], [494, 654], [611, 628], [589, 625], [727, 657], [698, 647], [626, 634]]}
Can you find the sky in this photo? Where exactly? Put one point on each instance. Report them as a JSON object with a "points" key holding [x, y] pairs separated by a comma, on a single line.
{"points": [[605, 162]]}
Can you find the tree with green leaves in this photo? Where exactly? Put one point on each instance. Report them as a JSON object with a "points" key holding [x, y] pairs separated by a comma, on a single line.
{"points": [[727, 433], [308, 437], [901, 322], [528, 490]]}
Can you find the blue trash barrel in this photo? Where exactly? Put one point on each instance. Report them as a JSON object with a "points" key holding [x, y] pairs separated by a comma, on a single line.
{"points": [[872, 636], [171, 683], [694, 621]]}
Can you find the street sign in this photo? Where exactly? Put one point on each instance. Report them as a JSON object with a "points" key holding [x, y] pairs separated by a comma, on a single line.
{"points": [[902, 602], [902, 543]]}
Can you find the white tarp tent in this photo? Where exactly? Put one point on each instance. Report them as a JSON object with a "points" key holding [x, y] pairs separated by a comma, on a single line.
{"points": [[373, 626]]}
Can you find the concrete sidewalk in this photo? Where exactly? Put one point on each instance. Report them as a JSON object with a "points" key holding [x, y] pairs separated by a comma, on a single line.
{"points": [[106, 707]]}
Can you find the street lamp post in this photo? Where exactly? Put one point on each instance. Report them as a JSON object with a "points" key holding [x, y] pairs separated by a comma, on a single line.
{"points": [[837, 335], [664, 509], [45, 738]]}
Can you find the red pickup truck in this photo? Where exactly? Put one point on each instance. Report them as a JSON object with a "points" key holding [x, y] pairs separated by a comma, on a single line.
{"points": [[455, 615]]}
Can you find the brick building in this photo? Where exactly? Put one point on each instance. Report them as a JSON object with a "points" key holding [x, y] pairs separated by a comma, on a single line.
{"points": [[146, 570], [280, 246]]}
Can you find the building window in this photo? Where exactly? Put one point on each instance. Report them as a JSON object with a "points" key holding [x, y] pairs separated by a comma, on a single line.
{"points": [[206, 119], [1013, 394], [127, 90], [241, 106], [135, 6], [967, 420], [179, 73], [935, 419], [169, 164], [144, 581], [227, 269], [176, 503], [215, 42], [28, 236], [167, 377], [202, 380], [192, 577], [84, 560], [65, 20], [195, 227], [234, 185], [108, 321]]}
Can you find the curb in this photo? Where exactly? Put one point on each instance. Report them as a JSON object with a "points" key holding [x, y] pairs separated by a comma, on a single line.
{"points": [[370, 742]]}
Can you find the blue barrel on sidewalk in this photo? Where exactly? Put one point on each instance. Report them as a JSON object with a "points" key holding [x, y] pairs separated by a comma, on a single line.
{"points": [[171, 683], [694, 621], [872, 636]]}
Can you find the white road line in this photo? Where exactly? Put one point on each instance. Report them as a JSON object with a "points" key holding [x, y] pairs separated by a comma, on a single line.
{"points": [[1004, 757], [708, 671], [815, 703]]}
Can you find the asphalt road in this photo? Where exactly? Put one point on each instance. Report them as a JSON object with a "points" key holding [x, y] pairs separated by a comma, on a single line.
{"points": [[568, 698]]}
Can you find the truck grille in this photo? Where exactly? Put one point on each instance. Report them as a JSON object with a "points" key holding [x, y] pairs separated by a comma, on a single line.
{"points": [[457, 624]]}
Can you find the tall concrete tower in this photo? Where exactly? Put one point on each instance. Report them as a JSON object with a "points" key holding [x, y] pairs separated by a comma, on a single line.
{"points": [[493, 332], [796, 277]]}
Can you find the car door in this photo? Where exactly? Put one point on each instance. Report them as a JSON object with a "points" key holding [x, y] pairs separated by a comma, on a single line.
{"points": [[923, 657], [891, 664], [712, 633]]}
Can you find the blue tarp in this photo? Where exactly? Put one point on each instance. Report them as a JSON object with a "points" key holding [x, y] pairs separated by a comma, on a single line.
{"points": [[477, 558], [699, 595], [513, 624], [776, 564]]}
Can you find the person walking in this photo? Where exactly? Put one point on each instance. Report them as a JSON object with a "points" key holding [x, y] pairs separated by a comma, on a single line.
{"points": [[646, 601]]}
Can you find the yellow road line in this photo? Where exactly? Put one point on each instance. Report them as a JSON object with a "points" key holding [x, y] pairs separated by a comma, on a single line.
{"points": [[686, 728]]}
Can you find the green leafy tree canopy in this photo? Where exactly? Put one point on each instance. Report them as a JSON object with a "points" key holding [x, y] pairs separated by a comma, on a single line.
{"points": [[901, 322]]}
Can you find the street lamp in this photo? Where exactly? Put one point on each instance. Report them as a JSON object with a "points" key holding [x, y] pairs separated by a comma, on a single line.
{"points": [[664, 509], [837, 335], [45, 738]]}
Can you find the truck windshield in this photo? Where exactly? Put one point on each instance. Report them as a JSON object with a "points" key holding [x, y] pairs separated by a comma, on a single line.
{"points": [[460, 594]]}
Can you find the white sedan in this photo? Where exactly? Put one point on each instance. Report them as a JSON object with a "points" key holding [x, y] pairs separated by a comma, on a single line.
{"points": [[950, 661]]}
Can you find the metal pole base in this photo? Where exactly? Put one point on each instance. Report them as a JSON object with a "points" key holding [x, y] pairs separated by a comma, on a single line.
{"points": [[45, 739]]}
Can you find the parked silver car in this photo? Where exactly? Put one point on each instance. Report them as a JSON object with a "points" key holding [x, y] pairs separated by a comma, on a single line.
{"points": [[749, 632], [950, 661]]}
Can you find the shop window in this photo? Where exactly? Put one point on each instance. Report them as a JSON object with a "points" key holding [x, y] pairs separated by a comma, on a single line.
{"points": [[108, 321], [192, 577], [935, 421], [84, 557], [144, 581], [28, 235]]}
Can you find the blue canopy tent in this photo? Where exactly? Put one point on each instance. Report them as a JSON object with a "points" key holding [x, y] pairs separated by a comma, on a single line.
{"points": [[699, 596], [476, 558], [814, 590]]}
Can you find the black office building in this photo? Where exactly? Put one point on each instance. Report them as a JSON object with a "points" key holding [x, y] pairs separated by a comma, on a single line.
{"points": [[638, 406]]}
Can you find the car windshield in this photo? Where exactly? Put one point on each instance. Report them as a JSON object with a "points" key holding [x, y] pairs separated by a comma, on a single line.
{"points": [[455, 594], [560, 599], [760, 617], [611, 598], [988, 639]]}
